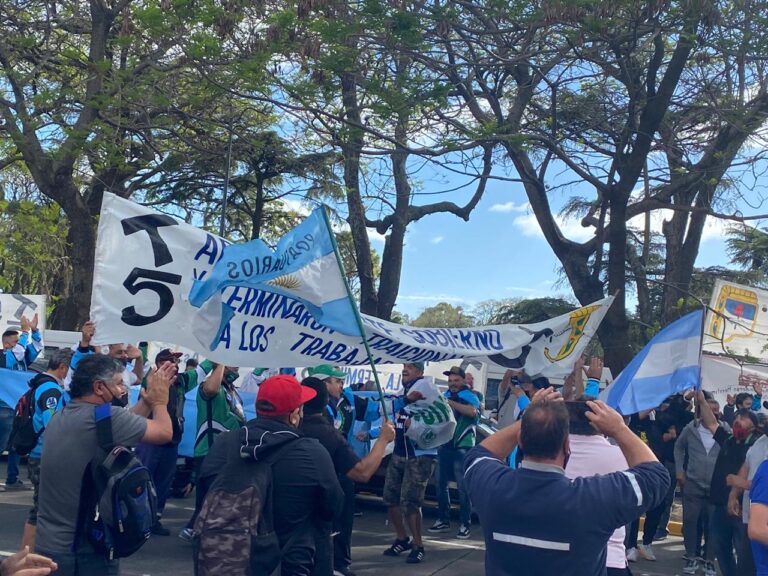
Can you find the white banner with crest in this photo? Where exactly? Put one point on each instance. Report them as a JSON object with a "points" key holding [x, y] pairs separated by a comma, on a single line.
{"points": [[146, 263]]}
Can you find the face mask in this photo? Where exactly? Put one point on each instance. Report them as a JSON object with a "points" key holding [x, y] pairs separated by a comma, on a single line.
{"points": [[740, 433], [124, 361], [120, 401]]}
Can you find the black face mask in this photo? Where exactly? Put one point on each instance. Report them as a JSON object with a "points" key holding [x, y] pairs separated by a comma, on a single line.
{"points": [[124, 361], [120, 401]]}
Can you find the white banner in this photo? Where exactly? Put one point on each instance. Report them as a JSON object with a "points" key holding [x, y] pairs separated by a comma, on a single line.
{"points": [[145, 265], [737, 322], [14, 306], [720, 375]]}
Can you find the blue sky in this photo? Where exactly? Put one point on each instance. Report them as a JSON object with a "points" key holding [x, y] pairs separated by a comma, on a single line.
{"points": [[500, 252]]}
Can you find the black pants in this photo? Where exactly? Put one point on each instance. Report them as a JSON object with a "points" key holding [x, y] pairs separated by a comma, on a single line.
{"points": [[342, 542], [653, 517], [619, 571], [201, 489]]}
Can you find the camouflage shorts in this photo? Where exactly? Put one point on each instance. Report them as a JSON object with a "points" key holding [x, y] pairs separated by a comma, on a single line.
{"points": [[33, 469], [406, 481]]}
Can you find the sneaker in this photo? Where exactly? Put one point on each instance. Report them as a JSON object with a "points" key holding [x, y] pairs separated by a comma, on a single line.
{"points": [[633, 555], [159, 530], [709, 569], [646, 552], [18, 485], [187, 534], [439, 527], [660, 535], [463, 532], [398, 547], [343, 571], [691, 566], [416, 555]]}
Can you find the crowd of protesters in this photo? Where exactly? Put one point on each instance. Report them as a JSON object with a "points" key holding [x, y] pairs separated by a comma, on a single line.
{"points": [[558, 454]]}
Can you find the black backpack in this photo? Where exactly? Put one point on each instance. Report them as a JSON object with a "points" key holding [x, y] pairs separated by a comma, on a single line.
{"points": [[118, 503], [234, 533], [24, 437]]}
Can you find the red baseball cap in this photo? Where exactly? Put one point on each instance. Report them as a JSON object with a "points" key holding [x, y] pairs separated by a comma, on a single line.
{"points": [[282, 394]]}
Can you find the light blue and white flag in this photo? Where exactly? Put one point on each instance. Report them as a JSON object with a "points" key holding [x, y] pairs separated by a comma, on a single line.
{"points": [[669, 363], [303, 267]]}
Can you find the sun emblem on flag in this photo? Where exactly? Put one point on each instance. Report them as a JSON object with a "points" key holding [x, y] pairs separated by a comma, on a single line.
{"points": [[287, 282]]}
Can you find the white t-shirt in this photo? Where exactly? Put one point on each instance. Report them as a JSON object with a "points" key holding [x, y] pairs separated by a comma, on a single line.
{"points": [[591, 455]]}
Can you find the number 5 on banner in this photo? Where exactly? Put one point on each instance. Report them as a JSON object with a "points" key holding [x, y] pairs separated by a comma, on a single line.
{"points": [[155, 282]]}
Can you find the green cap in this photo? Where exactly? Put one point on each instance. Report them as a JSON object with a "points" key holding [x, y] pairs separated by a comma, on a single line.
{"points": [[326, 371]]}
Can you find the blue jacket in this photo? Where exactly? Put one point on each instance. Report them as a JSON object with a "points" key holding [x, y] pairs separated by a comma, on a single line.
{"points": [[22, 355], [537, 521]]}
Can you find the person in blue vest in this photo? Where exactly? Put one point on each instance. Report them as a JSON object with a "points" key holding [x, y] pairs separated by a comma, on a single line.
{"points": [[345, 408], [50, 397], [20, 348]]}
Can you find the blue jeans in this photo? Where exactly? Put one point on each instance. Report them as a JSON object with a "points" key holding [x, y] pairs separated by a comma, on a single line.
{"points": [[161, 463], [450, 463], [6, 425]]}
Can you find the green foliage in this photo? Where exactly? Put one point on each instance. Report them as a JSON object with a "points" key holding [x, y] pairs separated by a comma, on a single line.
{"points": [[532, 310], [33, 252], [443, 315]]}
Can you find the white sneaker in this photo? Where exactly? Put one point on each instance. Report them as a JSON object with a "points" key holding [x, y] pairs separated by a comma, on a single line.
{"points": [[691, 566], [709, 569], [633, 555], [646, 552]]}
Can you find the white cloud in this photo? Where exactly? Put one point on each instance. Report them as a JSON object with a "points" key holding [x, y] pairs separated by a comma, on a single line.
{"points": [[509, 207], [528, 226], [374, 236], [714, 228], [432, 298], [437, 239]]}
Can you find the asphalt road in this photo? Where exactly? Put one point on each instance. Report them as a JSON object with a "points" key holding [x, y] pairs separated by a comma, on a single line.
{"points": [[445, 556]]}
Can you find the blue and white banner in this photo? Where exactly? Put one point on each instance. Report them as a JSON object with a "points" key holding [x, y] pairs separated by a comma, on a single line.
{"points": [[669, 363], [303, 267], [147, 264], [13, 385]]}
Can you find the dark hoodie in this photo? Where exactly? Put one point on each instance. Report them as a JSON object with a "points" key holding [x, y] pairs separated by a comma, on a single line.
{"points": [[305, 489]]}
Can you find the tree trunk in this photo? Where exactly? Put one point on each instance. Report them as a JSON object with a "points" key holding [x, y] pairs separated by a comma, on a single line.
{"points": [[614, 330], [73, 310], [351, 149]]}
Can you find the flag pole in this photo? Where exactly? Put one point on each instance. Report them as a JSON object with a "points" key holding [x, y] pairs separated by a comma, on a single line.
{"points": [[358, 318]]}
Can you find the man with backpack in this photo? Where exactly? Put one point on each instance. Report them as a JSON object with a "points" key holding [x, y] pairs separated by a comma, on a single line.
{"points": [[349, 468], [74, 451], [160, 460], [45, 397], [266, 476]]}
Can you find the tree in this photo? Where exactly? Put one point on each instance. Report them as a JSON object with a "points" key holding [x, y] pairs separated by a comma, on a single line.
{"points": [[33, 254], [78, 104], [443, 315], [640, 106], [748, 248], [349, 260], [532, 310]]}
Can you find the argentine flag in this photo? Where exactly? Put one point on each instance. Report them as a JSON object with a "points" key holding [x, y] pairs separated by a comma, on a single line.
{"points": [[303, 267], [669, 363]]}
